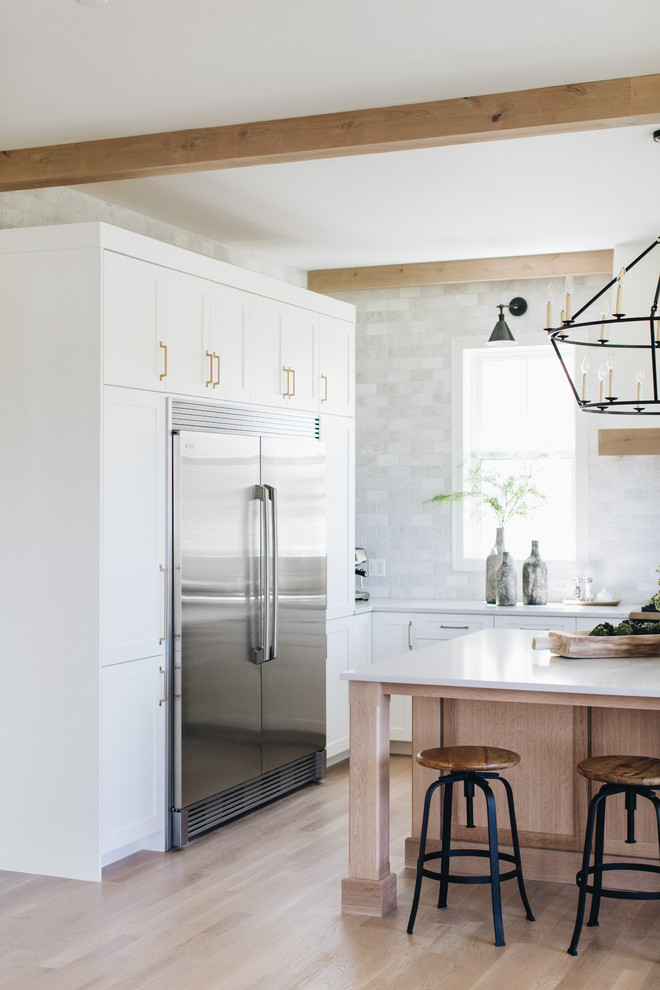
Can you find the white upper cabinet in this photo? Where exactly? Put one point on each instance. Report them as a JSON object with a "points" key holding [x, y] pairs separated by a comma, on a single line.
{"points": [[229, 345], [301, 359], [337, 363], [134, 345], [285, 355], [187, 334]]}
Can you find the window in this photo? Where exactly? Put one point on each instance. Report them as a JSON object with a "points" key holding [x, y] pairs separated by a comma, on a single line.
{"points": [[513, 404]]}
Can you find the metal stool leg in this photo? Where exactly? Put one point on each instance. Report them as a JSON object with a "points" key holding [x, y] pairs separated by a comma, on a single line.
{"points": [[494, 861], [584, 872], [422, 850], [599, 843], [516, 848], [446, 843]]}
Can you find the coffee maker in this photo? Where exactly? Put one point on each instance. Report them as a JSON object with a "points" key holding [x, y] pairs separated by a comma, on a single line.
{"points": [[361, 572]]}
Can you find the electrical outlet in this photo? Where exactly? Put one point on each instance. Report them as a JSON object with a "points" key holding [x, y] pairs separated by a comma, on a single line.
{"points": [[377, 568]]}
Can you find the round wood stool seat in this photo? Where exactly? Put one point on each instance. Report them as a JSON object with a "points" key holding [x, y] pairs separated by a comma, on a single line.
{"points": [[478, 759], [632, 771]]}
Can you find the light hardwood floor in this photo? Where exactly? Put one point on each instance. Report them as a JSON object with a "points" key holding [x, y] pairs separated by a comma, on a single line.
{"points": [[256, 906]]}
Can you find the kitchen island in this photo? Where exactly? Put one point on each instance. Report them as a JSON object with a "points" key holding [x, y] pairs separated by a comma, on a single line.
{"points": [[492, 687]]}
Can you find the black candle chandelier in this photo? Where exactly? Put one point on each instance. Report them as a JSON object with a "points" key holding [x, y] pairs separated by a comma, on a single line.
{"points": [[608, 335]]}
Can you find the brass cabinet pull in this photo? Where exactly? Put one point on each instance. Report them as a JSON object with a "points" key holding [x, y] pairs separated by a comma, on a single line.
{"points": [[409, 632], [163, 571], [163, 700], [293, 375], [288, 372], [217, 356], [324, 378], [210, 380], [454, 627], [164, 347]]}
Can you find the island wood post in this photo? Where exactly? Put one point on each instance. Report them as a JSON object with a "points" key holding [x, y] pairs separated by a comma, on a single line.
{"points": [[370, 887]]}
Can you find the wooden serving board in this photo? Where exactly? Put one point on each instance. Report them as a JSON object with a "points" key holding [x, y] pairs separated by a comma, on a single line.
{"points": [[581, 644]]}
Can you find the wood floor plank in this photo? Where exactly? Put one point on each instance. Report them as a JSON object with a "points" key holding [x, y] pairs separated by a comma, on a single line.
{"points": [[255, 905]]}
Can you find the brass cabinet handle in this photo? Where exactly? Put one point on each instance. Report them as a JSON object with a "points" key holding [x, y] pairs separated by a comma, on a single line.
{"points": [[293, 374], [163, 571], [409, 632], [217, 356], [288, 372], [164, 347], [210, 380], [163, 700], [454, 627], [324, 378]]}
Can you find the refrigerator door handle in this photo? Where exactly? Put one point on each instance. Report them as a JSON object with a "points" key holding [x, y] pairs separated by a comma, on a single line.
{"points": [[274, 546], [260, 652]]}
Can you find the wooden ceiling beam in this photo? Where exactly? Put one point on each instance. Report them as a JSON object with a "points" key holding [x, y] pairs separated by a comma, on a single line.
{"points": [[469, 270], [550, 110]]}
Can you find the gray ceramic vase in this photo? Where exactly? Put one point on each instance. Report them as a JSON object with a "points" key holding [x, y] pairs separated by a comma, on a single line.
{"points": [[535, 578], [493, 564], [507, 582]]}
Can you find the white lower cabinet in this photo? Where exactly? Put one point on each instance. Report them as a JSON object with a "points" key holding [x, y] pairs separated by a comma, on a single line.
{"points": [[134, 712], [349, 645]]}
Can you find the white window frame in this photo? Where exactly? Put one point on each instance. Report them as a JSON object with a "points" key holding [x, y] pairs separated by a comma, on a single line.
{"points": [[562, 570]]}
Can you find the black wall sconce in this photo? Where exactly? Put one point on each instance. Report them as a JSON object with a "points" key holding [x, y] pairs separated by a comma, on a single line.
{"points": [[501, 333]]}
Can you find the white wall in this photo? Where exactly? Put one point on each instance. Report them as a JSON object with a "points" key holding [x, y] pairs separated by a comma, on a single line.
{"points": [[403, 446]]}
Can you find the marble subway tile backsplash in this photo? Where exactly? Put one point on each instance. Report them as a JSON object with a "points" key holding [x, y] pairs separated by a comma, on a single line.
{"points": [[403, 447]]}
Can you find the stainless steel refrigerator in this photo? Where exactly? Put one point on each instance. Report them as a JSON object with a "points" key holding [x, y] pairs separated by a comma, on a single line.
{"points": [[249, 623]]}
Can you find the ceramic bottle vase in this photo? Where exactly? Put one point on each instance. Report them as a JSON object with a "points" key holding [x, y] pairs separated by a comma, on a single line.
{"points": [[507, 582], [493, 564], [535, 578]]}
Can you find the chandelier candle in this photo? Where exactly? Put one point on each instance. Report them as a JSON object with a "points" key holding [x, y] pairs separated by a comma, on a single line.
{"points": [[585, 372], [568, 286], [619, 292], [548, 308]]}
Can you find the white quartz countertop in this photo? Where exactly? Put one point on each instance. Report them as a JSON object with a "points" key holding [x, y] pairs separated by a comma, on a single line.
{"points": [[481, 608], [504, 659]]}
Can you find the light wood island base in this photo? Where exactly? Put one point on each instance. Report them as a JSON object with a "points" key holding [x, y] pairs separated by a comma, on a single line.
{"points": [[550, 725]]}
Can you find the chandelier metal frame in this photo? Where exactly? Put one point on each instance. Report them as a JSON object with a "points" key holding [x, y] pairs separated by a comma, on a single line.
{"points": [[563, 335]]}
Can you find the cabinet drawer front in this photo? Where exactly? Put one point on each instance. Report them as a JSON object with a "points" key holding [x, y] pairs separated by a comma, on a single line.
{"points": [[448, 625], [557, 622]]}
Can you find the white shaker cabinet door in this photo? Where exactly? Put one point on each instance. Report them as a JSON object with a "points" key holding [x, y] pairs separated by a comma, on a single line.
{"points": [[134, 344], [134, 609], [133, 755], [337, 363], [230, 343], [268, 353], [190, 367], [395, 633], [302, 359]]}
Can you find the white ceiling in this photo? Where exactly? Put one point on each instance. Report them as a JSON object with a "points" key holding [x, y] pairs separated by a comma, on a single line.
{"points": [[75, 73]]}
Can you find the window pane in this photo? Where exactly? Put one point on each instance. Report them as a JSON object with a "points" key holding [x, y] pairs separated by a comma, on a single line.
{"points": [[515, 404]]}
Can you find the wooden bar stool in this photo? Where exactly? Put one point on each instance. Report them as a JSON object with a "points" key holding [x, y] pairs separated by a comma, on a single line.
{"points": [[632, 776], [473, 766]]}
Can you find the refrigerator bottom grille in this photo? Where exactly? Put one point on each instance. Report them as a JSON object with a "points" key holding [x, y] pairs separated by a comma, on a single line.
{"points": [[205, 815]]}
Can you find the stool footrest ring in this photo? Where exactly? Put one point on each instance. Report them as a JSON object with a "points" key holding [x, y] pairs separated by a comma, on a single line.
{"points": [[626, 895]]}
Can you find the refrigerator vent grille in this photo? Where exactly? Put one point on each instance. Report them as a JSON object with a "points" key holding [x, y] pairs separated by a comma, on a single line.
{"points": [[213, 811], [214, 418]]}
